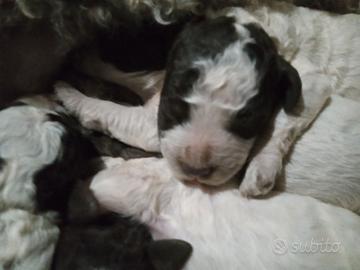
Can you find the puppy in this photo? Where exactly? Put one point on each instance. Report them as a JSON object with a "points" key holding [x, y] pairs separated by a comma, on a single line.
{"points": [[220, 224], [216, 100], [225, 83]]}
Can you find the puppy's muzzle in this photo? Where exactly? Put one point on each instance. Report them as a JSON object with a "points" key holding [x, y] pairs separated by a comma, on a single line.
{"points": [[191, 171]]}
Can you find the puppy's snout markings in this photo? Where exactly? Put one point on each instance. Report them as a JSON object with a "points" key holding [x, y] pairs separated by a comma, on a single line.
{"points": [[203, 172]]}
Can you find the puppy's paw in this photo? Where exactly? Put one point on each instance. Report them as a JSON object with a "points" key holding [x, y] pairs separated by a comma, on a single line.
{"points": [[260, 176], [68, 95]]}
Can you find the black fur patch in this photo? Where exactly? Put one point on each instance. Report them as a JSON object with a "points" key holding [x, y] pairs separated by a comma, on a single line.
{"points": [[109, 242], [112, 242], [204, 39], [111, 147], [77, 160], [142, 47]]}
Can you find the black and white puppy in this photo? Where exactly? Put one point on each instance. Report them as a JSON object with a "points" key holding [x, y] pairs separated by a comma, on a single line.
{"points": [[224, 83]]}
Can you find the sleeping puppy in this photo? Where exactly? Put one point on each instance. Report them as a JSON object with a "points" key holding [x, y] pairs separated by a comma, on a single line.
{"points": [[225, 81], [286, 231], [44, 157], [229, 97], [223, 86]]}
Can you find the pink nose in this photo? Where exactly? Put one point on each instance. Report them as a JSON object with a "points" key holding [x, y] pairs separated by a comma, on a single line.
{"points": [[203, 172]]}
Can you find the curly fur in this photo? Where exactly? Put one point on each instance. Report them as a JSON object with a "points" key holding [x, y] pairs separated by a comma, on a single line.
{"points": [[70, 17], [51, 29]]}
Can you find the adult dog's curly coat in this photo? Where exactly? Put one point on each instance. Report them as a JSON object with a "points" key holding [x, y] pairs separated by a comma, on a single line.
{"points": [[36, 37]]}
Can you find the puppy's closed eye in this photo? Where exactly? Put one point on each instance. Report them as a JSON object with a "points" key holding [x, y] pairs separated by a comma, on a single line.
{"points": [[255, 53], [177, 108], [250, 121], [174, 111], [242, 124]]}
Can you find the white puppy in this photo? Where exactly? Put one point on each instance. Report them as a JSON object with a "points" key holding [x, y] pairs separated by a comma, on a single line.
{"points": [[226, 230], [282, 232]]}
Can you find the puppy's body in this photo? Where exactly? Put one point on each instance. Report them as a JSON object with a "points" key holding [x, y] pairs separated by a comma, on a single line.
{"points": [[324, 162], [226, 230]]}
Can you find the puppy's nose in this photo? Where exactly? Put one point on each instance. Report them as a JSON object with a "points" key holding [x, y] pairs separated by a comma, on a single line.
{"points": [[203, 172]]}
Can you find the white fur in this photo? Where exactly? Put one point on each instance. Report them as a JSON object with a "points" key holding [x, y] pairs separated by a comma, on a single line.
{"points": [[202, 143], [226, 230], [28, 142], [136, 125], [28, 240], [220, 79], [325, 161]]}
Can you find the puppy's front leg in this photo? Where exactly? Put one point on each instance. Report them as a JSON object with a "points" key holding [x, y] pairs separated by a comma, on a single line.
{"points": [[263, 169], [267, 163], [136, 126], [133, 187], [145, 84]]}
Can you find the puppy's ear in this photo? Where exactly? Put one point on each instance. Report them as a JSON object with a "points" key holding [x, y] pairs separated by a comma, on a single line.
{"points": [[169, 254], [289, 84]]}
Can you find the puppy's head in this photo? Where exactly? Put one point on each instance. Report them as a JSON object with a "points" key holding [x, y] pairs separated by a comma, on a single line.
{"points": [[224, 83]]}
